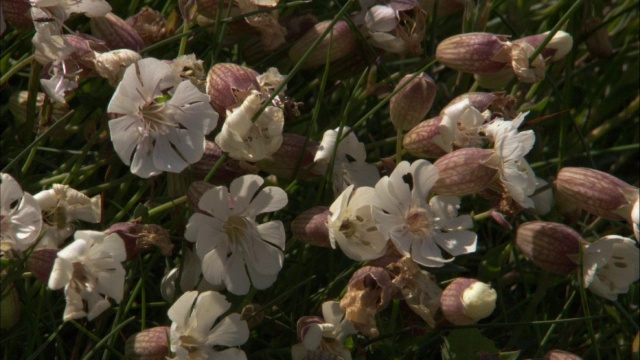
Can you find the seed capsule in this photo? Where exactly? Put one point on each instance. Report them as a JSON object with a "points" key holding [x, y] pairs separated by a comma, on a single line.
{"points": [[551, 246], [467, 301]]}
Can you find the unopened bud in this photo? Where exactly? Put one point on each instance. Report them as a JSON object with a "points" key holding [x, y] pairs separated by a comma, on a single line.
{"points": [[419, 140], [149, 344], [467, 301], [116, 33], [556, 49], [412, 103], [551, 246], [227, 172], [195, 192], [40, 263], [294, 153], [495, 81], [598, 41], [463, 172], [224, 80], [311, 227], [475, 52], [111, 65], [560, 355], [17, 14], [342, 40], [596, 192]]}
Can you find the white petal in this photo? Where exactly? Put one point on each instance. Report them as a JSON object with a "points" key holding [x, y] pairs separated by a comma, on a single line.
{"points": [[231, 331], [142, 163], [381, 18], [216, 201], [61, 274], [209, 306], [260, 281], [457, 242], [425, 176], [125, 136], [235, 278], [180, 310], [242, 190], [273, 232], [165, 157], [268, 199], [265, 258], [426, 252], [215, 265], [189, 143]]}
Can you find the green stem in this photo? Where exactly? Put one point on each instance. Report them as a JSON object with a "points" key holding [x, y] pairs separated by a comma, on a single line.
{"points": [[26, 60]]}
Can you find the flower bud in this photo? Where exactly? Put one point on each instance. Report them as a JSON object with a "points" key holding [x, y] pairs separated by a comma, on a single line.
{"points": [[140, 237], [525, 71], [598, 41], [463, 172], [556, 49], [549, 245], [560, 355], [223, 80], [311, 226], [286, 159], [116, 33], [195, 192], [227, 172], [596, 192], [418, 141], [17, 14], [411, 104], [342, 40], [40, 263], [149, 344], [467, 301], [252, 314], [496, 80], [10, 307], [475, 52], [111, 65]]}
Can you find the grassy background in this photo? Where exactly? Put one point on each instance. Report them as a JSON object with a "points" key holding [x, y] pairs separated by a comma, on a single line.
{"points": [[585, 113]]}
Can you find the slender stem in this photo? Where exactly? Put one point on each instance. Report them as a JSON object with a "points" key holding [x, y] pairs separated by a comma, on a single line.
{"points": [[17, 67]]}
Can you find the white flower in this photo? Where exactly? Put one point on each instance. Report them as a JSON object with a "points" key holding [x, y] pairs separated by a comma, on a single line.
{"points": [[247, 140], [88, 267], [20, 215], [350, 166], [510, 147], [380, 21], [228, 238], [271, 80], [324, 336], [544, 200], [155, 136], [193, 333], [62, 9], [352, 226], [611, 265], [459, 126], [61, 206], [416, 227]]}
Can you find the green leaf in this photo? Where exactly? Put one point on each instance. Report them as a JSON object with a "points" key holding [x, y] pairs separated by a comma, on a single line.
{"points": [[467, 344]]}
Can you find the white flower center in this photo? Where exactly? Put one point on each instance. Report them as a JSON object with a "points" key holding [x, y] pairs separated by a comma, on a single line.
{"points": [[352, 228], [237, 228], [418, 221], [157, 117]]}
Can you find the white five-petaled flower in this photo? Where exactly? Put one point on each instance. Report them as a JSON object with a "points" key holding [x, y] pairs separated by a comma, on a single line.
{"points": [[87, 268], [247, 140], [228, 238], [416, 227], [350, 166], [193, 333], [510, 147], [20, 215], [610, 265], [154, 135], [352, 227], [323, 337], [460, 125], [61, 206]]}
